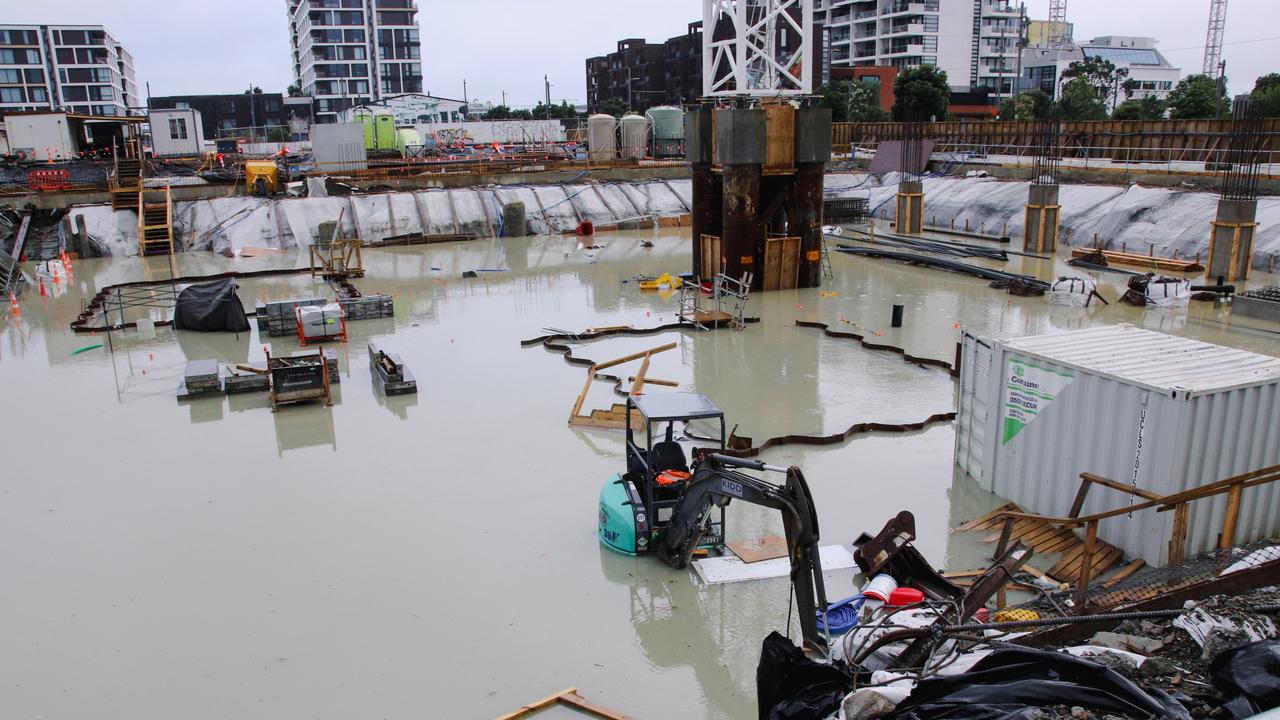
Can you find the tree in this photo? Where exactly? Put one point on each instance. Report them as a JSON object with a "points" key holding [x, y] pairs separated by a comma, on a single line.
{"points": [[1032, 105], [614, 106], [852, 101], [294, 90], [1150, 107], [497, 112], [923, 94], [1008, 109], [1102, 74], [563, 110], [1198, 97], [1080, 101], [1266, 96]]}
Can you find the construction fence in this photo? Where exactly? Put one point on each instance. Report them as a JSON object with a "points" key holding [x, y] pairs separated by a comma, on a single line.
{"points": [[1180, 145]]}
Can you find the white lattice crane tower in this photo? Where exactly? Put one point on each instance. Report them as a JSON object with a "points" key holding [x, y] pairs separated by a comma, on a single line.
{"points": [[760, 48], [1213, 40], [1057, 23]]}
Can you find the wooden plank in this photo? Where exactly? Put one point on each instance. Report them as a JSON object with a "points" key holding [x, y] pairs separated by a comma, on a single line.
{"points": [[1148, 261], [1232, 516], [1178, 538], [1107, 482], [789, 271], [772, 264], [576, 701], [755, 550], [1081, 495], [974, 523], [1125, 572], [637, 388]]}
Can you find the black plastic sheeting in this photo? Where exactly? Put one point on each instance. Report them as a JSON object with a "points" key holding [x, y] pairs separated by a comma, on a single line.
{"points": [[1010, 684], [211, 307], [1250, 676], [790, 686]]}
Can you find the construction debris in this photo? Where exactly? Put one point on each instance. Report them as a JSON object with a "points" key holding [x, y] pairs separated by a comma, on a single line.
{"points": [[200, 378], [390, 376], [1104, 257]]}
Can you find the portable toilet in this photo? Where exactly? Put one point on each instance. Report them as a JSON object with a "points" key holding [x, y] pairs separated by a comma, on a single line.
{"points": [[384, 131], [602, 137], [635, 136], [365, 118], [668, 131]]}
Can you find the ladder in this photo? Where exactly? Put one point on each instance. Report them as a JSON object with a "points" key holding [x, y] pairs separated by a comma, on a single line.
{"points": [[827, 272], [155, 221], [125, 182]]}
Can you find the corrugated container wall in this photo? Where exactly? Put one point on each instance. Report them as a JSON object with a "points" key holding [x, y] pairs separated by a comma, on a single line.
{"points": [[1154, 411]]}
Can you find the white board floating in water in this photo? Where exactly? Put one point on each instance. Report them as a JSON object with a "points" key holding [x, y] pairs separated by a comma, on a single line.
{"points": [[729, 568]]}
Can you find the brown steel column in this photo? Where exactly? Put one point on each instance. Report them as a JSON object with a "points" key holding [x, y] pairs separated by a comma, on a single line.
{"points": [[708, 196], [808, 222], [742, 227]]}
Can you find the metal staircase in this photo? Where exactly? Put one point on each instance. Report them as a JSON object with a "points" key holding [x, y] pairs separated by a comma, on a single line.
{"points": [[155, 221], [11, 261], [126, 181]]}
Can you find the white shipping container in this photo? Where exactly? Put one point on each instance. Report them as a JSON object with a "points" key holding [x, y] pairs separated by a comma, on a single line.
{"points": [[1151, 410], [41, 136]]}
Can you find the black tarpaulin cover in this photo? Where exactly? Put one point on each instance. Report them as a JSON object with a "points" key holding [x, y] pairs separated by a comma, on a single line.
{"points": [[1007, 683], [790, 686], [210, 307], [1250, 676]]}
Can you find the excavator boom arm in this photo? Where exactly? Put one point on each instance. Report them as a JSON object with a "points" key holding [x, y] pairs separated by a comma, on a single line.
{"points": [[716, 482]]}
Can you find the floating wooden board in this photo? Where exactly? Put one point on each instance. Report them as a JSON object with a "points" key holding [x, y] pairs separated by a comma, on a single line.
{"points": [[755, 550], [568, 698], [1147, 261]]}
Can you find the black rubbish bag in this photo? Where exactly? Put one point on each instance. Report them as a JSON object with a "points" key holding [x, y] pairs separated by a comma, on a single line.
{"points": [[1250, 676], [790, 686], [1006, 683], [210, 307]]}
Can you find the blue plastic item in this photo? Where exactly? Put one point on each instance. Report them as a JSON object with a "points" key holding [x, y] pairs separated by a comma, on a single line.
{"points": [[842, 615]]}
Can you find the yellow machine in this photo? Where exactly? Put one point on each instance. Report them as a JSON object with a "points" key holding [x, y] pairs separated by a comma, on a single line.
{"points": [[261, 177]]}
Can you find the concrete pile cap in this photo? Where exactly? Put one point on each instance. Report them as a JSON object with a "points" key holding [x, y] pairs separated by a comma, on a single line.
{"points": [[1154, 360]]}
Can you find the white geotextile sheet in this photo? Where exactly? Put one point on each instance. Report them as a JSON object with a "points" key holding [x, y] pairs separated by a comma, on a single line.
{"points": [[730, 568]]}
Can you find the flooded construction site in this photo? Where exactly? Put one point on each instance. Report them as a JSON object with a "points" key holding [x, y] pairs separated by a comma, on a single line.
{"points": [[210, 558]]}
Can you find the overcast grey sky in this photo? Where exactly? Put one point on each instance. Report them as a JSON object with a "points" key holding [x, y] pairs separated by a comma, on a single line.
{"points": [[195, 46]]}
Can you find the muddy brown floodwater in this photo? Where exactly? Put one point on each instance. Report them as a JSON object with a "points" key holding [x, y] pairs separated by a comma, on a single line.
{"points": [[437, 554]]}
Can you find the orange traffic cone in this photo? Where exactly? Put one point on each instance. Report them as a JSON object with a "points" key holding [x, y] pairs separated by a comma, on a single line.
{"points": [[56, 279], [13, 305], [42, 291]]}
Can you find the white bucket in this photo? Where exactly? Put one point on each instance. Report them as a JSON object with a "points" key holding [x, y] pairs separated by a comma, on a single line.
{"points": [[880, 587]]}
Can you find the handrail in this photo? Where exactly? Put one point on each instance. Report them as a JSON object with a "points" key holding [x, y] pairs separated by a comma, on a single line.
{"points": [[1179, 502]]}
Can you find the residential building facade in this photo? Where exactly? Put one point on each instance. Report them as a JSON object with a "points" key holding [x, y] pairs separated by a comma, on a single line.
{"points": [[1151, 72], [352, 52], [230, 114], [974, 41], [644, 74], [77, 68]]}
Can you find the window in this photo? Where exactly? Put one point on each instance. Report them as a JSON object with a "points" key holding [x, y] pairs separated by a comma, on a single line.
{"points": [[37, 94], [18, 37], [395, 18], [101, 92], [227, 106], [353, 36], [75, 37], [66, 56], [11, 95], [931, 23], [271, 105], [182, 105], [35, 76], [19, 57], [227, 124], [75, 93], [10, 76], [177, 128]]}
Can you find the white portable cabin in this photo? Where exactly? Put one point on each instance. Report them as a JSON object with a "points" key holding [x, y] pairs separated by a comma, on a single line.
{"points": [[176, 133], [41, 136], [1150, 410]]}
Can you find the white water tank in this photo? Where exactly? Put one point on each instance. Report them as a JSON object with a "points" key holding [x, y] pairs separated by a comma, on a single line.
{"points": [[602, 137], [668, 131], [635, 137]]}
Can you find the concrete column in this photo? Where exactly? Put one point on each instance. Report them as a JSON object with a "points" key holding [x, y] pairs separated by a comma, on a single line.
{"points": [[910, 216], [514, 223], [1231, 244], [708, 187], [1040, 231]]}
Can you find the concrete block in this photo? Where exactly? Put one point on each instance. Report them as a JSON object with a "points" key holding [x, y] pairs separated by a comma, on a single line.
{"points": [[813, 135], [697, 136]]}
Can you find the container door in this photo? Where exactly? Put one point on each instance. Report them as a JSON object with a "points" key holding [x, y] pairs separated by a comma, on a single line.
{"points": [[973, 424]]}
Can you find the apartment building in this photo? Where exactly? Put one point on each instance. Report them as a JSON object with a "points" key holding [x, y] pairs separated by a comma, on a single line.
{"points": [[1150, 70], [644, 74], [76, 68], [974, 41], [353, 52]]}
